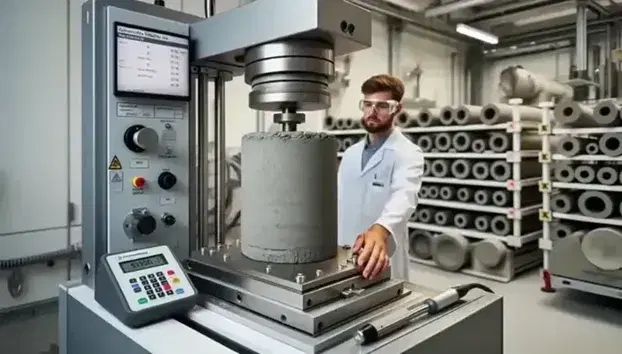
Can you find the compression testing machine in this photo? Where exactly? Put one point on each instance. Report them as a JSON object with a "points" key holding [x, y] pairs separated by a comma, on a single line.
{"points": [[152, 281]]}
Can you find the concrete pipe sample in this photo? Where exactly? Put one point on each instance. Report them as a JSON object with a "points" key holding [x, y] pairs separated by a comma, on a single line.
{"points": [[340, 144], [443, 217], [347, 142], [573, 114], [499, 142], [478, 145], [585, 174], [450, 252], [425, 142], [440, 168], [592, 148], [461, 168], [482, 196], [403, 120], [463, 220], [284, 223], [607, 175], [603, 248], [425, 215], [424, 192], [348, 123], [421, 243], [564, 172], [481, 170], [428, 117], [427, 168], [495, 113], [467, 114], [501, 225], [570, 146], [442, 142], [482, 223], [606, 113], [564, 203], [340, 124], [500, 198], [330, 123], [464, 194], [596, 204], [447, 115], [611, 144], [490, 253], [462, 141], [502, 171], [447, 192], [433, 192], [561, 230]]}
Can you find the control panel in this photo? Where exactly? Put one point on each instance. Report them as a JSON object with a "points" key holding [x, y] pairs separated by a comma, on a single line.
{"points": [[143, 286], [148, 120]]}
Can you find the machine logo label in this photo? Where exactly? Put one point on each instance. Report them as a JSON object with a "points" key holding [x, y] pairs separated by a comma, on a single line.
{"points": [[115, 164]]}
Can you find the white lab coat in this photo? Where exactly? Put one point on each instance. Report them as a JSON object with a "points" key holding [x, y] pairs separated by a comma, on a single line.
{"points": [[384, 192]]}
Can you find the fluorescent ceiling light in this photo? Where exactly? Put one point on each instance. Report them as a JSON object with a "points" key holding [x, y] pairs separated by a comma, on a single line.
{"points": [[477, 34]]}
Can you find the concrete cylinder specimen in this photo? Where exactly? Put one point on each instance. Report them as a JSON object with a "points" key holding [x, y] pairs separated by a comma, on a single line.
{"points": [[571, 146], [433, 192], [501, 225], [427, 168], [564, 203], [478, 145], [440, 168], [585, 174], [403, 120], [462, 141], [464, 194], [349, 123], [564, 172], [466, 114], [499, 142], [482, 196], [611, 144], [447, 115], [592, 148], [495, 113], [443, 217], [607, 175], [347, 142], [450, 252], [482, 223], [447, 192], [490, 253], [463, 220], [424, 192], [421, 243], [603, 248], [289, 197], [340, 124], [330, 123], [481, 170], [442, 142], [428, 117], [500, 198], [596, 204], [461, 168], [606, 113], [561, 230], [425, 143], [573, 114]]}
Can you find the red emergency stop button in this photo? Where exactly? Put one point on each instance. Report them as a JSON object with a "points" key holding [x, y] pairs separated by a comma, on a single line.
{"points": [[139, 182]]}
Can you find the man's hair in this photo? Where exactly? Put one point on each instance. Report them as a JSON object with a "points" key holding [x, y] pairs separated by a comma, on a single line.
{"points": [[384, 83]]}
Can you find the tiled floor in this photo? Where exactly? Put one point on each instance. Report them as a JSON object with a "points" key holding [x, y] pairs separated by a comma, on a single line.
{"points": [[535, 322]]}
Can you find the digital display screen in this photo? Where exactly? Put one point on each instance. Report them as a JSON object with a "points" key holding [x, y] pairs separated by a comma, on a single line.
{"points": [[143, 263], [151, 63]]}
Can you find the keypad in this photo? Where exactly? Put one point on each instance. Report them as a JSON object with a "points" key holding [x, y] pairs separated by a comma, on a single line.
{"points": [[156, 285]]}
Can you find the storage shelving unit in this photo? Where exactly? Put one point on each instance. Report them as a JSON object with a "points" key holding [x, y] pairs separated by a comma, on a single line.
{"points": [[564, 262], [520, 248]]}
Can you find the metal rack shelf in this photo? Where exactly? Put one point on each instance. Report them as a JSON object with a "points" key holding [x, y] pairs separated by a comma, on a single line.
{"points": [[511, 213], [510, 185], [564, 263], [509, 127], [513, 241]]}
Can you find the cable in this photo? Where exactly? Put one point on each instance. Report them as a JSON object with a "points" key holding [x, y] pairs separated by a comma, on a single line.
{"points": [[464, 289]]}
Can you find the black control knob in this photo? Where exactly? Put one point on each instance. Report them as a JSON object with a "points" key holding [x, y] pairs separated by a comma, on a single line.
{"points": [[168, 219], [139, 138], [167, 180]]}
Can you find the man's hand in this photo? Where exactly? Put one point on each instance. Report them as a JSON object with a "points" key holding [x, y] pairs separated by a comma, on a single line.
{"points": [[371, 247]]}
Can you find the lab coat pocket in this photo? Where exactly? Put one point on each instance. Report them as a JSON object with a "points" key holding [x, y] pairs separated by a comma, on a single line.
{"points": [[378, 192]]}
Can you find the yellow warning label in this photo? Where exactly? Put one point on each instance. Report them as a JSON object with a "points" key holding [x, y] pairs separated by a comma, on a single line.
{"points": [[115, 164]]}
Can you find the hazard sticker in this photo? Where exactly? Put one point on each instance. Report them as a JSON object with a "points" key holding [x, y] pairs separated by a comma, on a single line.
{"points": [[115, 164], [115, 181]]}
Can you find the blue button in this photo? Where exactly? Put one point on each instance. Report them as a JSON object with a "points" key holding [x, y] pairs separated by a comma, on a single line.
{"points": [[135, 286], [179, 291]]}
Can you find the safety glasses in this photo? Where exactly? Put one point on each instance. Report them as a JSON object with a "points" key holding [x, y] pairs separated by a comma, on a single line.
{"points": [[381, 106]]}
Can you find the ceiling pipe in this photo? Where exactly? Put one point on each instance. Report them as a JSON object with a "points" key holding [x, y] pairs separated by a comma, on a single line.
{"points": [[510, 9], [581, 41], [454, 6]]}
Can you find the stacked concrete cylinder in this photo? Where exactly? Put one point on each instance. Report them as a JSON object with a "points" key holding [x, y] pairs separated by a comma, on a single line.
{"points": [[289, 197], [583, 198]]}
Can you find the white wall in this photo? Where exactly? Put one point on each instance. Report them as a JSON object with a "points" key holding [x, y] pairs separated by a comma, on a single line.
{"points": [[40, 96]]}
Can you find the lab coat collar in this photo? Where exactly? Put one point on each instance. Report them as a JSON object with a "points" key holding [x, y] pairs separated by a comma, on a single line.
{"points": [[376, 158]]}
